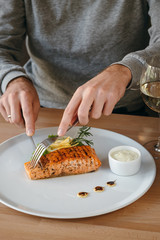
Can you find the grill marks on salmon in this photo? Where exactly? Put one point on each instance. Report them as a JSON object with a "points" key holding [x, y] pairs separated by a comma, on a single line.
{"points": [[65, 161]]}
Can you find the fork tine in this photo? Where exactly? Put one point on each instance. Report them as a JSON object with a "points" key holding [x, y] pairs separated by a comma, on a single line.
{"points": [[37, 154], [36, 151], [41, 147]]}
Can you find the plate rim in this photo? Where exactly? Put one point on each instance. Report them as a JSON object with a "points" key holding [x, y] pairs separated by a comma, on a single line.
{"points": [[42, 214]]}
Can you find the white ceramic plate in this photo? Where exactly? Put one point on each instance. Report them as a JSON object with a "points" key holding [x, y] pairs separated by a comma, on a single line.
{"points": [[57, 197]]}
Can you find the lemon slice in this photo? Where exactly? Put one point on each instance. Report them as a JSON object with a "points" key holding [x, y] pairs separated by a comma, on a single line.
{"points": [[64, 142]]}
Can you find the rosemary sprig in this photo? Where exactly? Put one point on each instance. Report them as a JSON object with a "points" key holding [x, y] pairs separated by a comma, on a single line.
{"points": [[81, 139]]}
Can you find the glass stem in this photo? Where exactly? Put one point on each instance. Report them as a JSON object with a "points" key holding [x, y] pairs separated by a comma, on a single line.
{"points": [[157, 146], [158, 143]]}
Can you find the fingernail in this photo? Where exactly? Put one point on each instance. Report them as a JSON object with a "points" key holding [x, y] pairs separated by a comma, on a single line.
{"points": [[30, 132], [60, 132]]}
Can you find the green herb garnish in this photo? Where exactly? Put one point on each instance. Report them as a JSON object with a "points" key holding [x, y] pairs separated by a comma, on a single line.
{"points": [[81, 139], [50, 136], [45, 152]]}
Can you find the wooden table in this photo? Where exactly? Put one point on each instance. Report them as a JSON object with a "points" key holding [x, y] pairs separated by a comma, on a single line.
{"points": [[140, 220]]}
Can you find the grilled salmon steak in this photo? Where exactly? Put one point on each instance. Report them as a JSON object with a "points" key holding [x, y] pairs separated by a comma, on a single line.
{"points": [[65, 161]]}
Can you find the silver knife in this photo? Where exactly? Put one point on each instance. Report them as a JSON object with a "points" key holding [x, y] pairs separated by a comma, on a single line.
{"points": [[31, 137]]}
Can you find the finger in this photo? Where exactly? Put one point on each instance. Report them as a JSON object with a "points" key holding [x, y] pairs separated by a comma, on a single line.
{"points": [[98, 104], [28, 115], [4, 113], [112, 98], [108, 107], [97, 109], [69, 115], [74, 119], [85, 107], [7, 111], [16, 113]]}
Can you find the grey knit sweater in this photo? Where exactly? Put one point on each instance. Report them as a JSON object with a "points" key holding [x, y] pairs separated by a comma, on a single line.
{"points": [[70, 41]]}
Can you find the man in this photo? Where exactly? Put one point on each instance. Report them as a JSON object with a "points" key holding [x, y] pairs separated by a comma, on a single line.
{"points": [[85, 56]]}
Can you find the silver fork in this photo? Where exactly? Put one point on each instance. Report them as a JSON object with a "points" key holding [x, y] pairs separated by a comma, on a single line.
{"points": [[44, 145]]}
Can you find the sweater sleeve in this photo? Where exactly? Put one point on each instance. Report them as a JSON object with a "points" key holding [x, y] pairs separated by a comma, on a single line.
{"points": [[135, 60], [12, 38]]}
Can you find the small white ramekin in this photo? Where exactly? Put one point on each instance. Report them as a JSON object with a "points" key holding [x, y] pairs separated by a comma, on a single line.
{"points": [[124, 168]]}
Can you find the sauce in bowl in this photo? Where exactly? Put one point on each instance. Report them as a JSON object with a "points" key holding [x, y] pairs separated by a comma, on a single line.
{"points": [[124, 155], [124, 160]]}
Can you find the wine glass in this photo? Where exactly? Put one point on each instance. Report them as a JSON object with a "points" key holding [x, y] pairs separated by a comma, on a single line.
{"points": [[150, 91]]}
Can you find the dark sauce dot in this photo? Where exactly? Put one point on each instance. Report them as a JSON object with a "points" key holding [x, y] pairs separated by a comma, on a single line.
{"points": [[99, 189], [111, 183], [82, 194]]}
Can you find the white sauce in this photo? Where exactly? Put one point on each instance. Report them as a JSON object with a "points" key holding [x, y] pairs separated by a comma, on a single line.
{"points": [[124, 155]]}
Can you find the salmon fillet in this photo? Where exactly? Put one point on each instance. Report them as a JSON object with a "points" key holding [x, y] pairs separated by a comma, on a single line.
{"points": [[65, 161]]}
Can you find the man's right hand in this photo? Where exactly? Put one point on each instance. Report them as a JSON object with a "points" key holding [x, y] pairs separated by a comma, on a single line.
{"points": [[21, 101]]}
